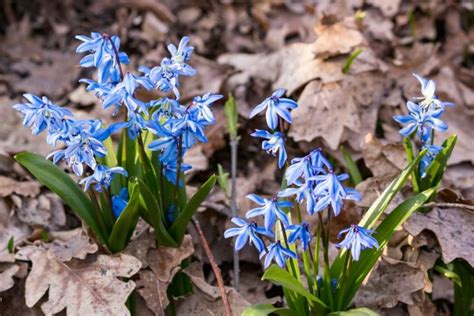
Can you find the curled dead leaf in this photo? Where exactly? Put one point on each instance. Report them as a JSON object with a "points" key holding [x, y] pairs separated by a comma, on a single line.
{"points": [[80, 287], [450, 225]]}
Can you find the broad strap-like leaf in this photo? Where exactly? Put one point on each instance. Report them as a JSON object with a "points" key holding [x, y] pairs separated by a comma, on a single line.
{"points": [[280, 276], [180, 224], [360, 269], [435, 171], [153, 215], [266, 309], [60, 183], [363, 311], [126, 222]]}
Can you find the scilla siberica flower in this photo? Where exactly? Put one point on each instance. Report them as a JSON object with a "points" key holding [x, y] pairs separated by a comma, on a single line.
{"points": [[270, 209], [305, 167], [357, 238], [274, 143], [102, 177], [421, 120], [299, 232], [41, 114], [429, 99], [247, 232], [330, 192], [278, 253], [119, 202], [276, 107]]}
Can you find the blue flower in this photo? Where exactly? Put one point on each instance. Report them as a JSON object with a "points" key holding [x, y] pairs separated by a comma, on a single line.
{"points": [[135, 125], [163, 77], [304, 192], [119, 202], [357, 239], [421, 120], [167, 142], [276, 106], [275, 143], [307, 166], [103, 50], [430, 155], [170, 169], [330, 192], [41, 114], [201, 105], [124, 91], [429, 99], [181, 55], [166, 108], [245, 232], [270, 209], [301, 232], [278, 253], [102, 177], [189, 127]]}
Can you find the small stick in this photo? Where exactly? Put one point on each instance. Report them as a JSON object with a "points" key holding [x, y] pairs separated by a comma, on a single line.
{"points": [[233, 206], [446, 205], [215, 267]]}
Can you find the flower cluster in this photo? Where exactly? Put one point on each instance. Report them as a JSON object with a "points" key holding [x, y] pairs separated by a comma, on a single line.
{"points": [[177, 127], [423, 120], [311, 181]]}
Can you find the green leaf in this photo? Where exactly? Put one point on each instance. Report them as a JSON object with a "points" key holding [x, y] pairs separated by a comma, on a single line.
{"points": [[360, 269], [126, 222], [350, 60], [153, 215], [230, 111], [449, 274], [351, 166], [377, 208], [60, 183], [110, 160], [180, 224], [266, 309], [409, 151], [435, 171], [279, 276], [11, 244], [223, 179], [363, 311]]}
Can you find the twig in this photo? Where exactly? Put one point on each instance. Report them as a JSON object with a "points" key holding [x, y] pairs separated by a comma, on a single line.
{"points": [[215, 267], [446, 205], [233, 205]]}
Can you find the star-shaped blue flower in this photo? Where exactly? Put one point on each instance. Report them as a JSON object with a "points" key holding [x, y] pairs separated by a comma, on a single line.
{"points": [[274, 143], [278, 253], [276, 106], [329, 191], [102, 177], [421, 120], [270, 209], [247, 231], [429, 99], [299, 232], [357, 238]]}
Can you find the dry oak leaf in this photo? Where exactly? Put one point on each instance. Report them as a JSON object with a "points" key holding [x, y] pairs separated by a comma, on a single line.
{"points": [[164, 263], [23, 188], [206, 299], [82, 287], [388, 284], [331, 102], [6, 276], [336, 37], [453, 227], [70, 244]]}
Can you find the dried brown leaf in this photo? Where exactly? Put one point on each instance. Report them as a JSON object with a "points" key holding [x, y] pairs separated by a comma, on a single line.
{"points": [[388, 284], [23, 188], [206, 299], [336, 37], [451, 226], [82, 287], [70, 244], [6, 276], [163, 262]]}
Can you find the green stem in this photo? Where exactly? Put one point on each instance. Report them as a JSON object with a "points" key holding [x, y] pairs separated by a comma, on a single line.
{"points": [[178, 172]]}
